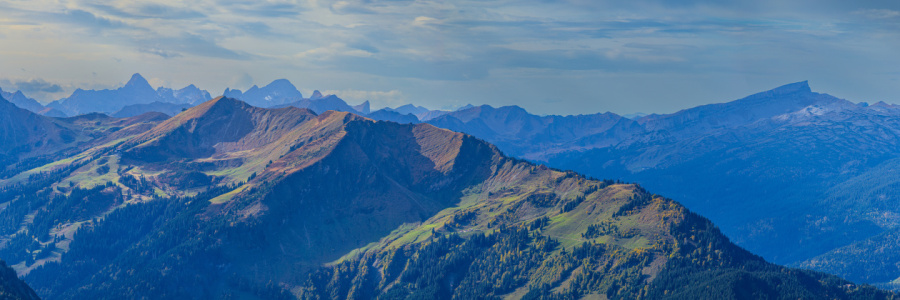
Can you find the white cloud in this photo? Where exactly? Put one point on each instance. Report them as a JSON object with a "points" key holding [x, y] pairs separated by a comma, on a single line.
{"points": [[347, 7], [331, 51], [878, 13], [425, 21], [241, 81]]}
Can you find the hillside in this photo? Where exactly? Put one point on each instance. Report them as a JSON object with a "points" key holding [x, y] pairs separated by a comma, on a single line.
{"points": [[170, 109], [24, 134], [13, 288], [227, 200], [806, 169], [789, 173]]}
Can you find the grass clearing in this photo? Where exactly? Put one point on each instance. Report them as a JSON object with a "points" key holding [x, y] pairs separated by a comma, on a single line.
{"points": [[227, 196]]}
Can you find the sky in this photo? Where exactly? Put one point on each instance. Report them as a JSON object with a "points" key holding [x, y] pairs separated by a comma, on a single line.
{"points": [[549, 57]]}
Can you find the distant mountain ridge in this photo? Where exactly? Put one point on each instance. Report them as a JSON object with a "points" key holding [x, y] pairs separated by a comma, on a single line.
{"points": [[19, 99], [138, 97], [278, 92], [773, 159], [136, 91], [190, 94], [525, 135]]}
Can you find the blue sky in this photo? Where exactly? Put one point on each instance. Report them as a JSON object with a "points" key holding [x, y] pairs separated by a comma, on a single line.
{"points": [[550, 57]]}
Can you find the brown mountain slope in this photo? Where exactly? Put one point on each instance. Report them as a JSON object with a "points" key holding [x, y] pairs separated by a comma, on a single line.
{"points": [[219, 125], [23, 133]]}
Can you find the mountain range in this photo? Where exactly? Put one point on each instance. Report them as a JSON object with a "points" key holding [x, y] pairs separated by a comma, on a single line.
{"points": [[228, 200], [137, 97], [22, 101], [802, 178], [136, 91]]}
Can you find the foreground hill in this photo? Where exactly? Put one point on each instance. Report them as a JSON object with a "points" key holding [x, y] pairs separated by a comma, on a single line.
{"points": [[226, 200]]}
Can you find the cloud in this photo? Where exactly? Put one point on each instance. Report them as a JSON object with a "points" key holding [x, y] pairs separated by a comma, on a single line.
{"points": [[242, 81], [148, 11], [82, 18], [173, 46], [332, 51], [347, 7], [37, 85], [160, 52], [265, 9], [406, 67], [36, 88], [258, 29], [424, 21], [878, 13], [392, 97], [156, 10], [159, 82]]}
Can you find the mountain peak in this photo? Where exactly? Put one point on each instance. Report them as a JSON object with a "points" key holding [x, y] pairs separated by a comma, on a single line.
{"points": [[232, 93], [796, 87], [364, 107], [468, 106], [224, 100], [316, 95], [281, 84], [220, 106], [137, 80]]}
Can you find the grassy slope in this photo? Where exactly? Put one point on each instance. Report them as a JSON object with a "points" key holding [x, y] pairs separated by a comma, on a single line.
{"points": [[653, 238]]}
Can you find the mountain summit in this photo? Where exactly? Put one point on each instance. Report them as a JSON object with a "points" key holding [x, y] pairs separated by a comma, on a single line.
{"points": [[797, 87], [278, 92], [759, 106], [316, 95], [137, 82]]}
